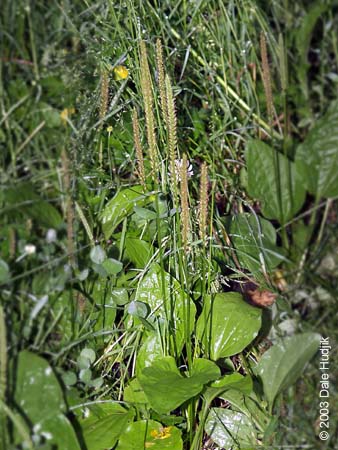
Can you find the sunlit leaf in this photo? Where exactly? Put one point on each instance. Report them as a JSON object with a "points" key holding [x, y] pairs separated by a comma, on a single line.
{"points": [[103, 424], [283, 363], [227, 324], [230, 429], [119, 207], [146, 434], [163, 377]]}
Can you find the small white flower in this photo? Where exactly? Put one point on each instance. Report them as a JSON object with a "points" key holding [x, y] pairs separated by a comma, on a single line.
{"points": [[51, 235], [178, 168], [30, 249]]}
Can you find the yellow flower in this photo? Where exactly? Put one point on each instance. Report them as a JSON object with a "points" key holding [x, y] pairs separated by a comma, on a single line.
{"points": [[109, 129], [65, 113], [163, 433], [120, 72]]}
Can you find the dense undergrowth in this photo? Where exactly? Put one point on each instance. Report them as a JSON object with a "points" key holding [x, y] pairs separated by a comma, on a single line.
{"points": [[168, 223]]}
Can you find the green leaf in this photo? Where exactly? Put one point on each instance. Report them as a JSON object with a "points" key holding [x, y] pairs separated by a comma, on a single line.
{"points": [[317, 157], [104, 424], [120, 296], [119, 207], [24, 200], [97, 254], [146, 434], [133, 393], [230, 429], [274, 181], [89, 354], [138, 309], [58, 432], [144, 213], [4, 271], [138, 252], [69, 378], [37, 391], [303, 40], [166, 300], [255, 241], [112, 266], [39, 396], [163, 377], [85, 375], [251, 406], [232, 381], [150, 350], [227, 324], [284, 362]]}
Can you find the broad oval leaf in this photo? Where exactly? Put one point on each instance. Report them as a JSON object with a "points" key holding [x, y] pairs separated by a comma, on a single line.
{"points": [[150, 350], [274, 181], [317, 157], [255, 241], [230, 429], [37, 390], [103, 424], [112, 266], [40, 397], [168, 303], [227, 324], [138, 252], [227, 382], [163, 377], [284, 362], [145, 434], [97, 254], [133, 393], [119, 207], [23, 200], [58, 432]]}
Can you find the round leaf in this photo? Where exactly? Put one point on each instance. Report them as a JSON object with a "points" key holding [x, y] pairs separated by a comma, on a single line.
{"points": [[97, 254], [89, 354], [150, 434]]}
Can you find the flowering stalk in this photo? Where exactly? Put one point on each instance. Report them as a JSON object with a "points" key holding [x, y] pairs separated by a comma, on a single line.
{"points": [[172, 137], [147, 93], [161, 80], [69, 208], [138, 148], [184, 203], [104, 94], [203, 205], [266, 77]]}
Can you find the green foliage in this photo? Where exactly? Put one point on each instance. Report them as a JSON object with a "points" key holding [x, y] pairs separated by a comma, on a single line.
{"points": [[150, 434], [282, 364], [103, 423], [227, 325], [255, 241], [273, 180], [120, 207], [147, 345], [162, 376], [317, 156], [230, 429], [31, 205], [39, 396]]}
